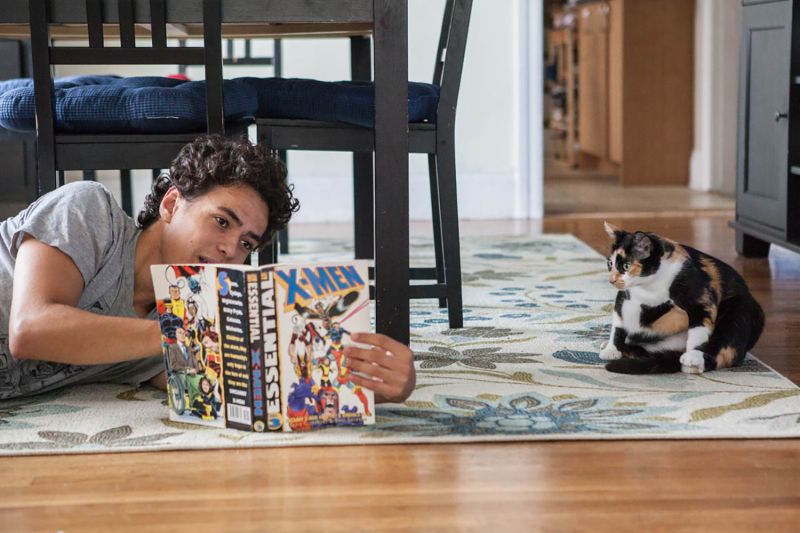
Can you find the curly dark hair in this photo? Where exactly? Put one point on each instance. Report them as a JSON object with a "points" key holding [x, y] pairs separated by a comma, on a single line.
{"points": [[213, 160]]}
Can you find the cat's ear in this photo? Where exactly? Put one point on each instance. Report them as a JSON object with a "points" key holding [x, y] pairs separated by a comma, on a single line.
{"points": [[614, 233], [642, 246]]}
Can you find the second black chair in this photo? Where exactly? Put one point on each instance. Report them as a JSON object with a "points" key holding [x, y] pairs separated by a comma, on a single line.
{"points": [[437, 139]]}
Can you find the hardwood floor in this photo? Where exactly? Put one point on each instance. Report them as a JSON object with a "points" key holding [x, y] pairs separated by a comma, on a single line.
{"points": [[560, 486]]}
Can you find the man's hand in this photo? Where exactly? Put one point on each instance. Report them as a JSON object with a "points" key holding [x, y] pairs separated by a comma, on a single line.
{"points": [[387, 368]]}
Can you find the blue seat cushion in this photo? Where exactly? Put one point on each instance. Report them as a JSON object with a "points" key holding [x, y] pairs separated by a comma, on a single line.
{"points": [[352, 102], [108, 104]]}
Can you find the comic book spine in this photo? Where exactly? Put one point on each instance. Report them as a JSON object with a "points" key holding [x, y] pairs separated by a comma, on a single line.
{"points": [[255, 336], [235, 346], [269, 334]]}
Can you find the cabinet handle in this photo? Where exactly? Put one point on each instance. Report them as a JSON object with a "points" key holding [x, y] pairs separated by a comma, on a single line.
{"points": [[779, 115]]}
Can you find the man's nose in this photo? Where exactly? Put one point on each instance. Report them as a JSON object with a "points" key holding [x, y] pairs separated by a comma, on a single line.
{"points": [[227, 248]]}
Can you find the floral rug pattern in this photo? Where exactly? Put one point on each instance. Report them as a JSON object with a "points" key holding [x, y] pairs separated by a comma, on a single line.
{"points": [[525, 367]]}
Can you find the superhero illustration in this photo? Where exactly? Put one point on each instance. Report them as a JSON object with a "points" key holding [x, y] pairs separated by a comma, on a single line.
{"points": [[186, 304], [317, 308]]}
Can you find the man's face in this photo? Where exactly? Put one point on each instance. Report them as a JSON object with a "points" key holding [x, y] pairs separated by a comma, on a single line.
{"points": [[175, 293], [222, 226], [180, 335]]}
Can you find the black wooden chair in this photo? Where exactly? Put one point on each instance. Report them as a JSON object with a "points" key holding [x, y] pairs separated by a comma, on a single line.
{"points": [[435, 139], [59, 151]]}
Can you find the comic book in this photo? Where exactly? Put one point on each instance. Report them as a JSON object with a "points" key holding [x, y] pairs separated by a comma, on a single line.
{"points": [[261, 348]]}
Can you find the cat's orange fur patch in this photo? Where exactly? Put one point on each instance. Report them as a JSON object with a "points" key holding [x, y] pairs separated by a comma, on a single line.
{"points": [[711, 269], [635, 269], [674, 321], [678, 254], [726, 357]]}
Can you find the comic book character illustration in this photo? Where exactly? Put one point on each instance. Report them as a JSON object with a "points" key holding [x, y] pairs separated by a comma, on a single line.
{"points": [[211, 354], [328, 310], [190, 345], [300, 345], [205, 404], [303, 406]]}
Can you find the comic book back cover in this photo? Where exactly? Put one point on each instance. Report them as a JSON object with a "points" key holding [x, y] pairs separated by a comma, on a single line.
{"points": [[186, 300], [318, 307]]}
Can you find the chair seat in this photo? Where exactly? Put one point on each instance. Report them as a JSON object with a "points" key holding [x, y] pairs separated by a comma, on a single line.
{"points": [[349, 102], [109, 104]]}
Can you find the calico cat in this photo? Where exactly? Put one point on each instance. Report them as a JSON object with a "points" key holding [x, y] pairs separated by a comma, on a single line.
{"points": [[677, 309]]}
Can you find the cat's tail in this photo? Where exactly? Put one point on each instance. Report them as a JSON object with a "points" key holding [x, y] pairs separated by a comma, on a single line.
{"points": [[740, 322], [657, 363]]}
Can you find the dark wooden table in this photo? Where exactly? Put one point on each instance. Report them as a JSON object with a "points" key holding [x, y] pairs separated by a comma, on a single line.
{"points": [[387, 21]]}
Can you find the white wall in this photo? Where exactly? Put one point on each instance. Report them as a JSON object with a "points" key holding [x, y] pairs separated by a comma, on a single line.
{"points": [[717, 35], [491, 123]]}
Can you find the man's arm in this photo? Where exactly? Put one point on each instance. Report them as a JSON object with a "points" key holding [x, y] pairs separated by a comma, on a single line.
{"points": [[46, 324]]}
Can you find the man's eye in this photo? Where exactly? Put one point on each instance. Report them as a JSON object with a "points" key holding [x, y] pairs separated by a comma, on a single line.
{"points": [[626, 266], [247, 246], [222, 222]]}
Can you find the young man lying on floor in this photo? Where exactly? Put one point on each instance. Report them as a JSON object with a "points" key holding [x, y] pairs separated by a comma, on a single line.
{"points": [[76, 295]]}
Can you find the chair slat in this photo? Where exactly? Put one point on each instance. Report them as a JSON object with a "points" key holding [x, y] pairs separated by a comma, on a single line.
{"points": [[158, 23], [65, 55], [127, 30], [94, 21], [212, 41]]}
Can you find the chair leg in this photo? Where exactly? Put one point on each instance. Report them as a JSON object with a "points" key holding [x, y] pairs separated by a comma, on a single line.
{"points": [[89, 175], [363, 205], [446, 172], [269, 255], [283, 236], [437, 224], [125, 189]]}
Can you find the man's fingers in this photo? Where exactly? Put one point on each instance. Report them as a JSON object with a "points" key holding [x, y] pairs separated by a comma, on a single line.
{"points": [[379, 340], [374, 371], [376, 356], [386, 390]]}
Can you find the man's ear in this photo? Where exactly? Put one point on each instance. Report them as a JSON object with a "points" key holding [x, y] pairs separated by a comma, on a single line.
{"points": [[168, 204], [642, 246], [614, 233]]}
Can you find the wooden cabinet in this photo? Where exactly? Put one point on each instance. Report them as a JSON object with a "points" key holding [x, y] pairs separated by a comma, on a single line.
{"points": [[593, 79], [636, 87], [767, 171]]}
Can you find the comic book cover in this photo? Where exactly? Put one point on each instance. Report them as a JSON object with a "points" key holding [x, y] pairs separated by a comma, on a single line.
{"points": [[317, 306], [186, 300]]}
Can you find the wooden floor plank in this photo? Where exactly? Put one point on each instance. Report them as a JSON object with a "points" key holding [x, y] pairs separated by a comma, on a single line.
{"points": [[562, 486]]}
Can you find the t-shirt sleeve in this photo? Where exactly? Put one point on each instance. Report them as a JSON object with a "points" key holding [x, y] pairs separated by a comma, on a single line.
{"points": [[77, 219]]}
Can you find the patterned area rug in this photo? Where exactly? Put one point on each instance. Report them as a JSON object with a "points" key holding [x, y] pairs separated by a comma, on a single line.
{"points": [[525, 367]]}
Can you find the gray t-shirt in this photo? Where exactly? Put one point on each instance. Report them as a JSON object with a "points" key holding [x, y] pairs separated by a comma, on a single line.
{"points": [[83, 221]]}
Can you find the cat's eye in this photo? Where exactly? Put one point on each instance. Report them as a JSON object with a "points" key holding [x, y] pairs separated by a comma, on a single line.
{"points": [[626, 266], [609, 264]]}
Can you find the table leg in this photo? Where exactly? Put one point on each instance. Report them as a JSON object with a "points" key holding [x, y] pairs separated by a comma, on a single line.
{"points": [[391, 168]]}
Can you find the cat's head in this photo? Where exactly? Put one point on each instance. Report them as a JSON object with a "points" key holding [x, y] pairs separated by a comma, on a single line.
{"points": [[634, 257]]}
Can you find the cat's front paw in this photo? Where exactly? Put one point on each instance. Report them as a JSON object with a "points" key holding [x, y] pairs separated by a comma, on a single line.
{"points": [[609, 352], [692, 362]]}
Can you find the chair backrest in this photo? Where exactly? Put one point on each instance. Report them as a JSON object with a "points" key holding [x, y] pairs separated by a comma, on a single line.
{"points": [[450, 56], [45, 55]]}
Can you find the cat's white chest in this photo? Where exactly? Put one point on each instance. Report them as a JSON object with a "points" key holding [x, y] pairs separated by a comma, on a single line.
{"points": [[653, 294]]}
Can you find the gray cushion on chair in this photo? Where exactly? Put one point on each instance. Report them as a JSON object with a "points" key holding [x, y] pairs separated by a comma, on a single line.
{"points": [[352, 102]]}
